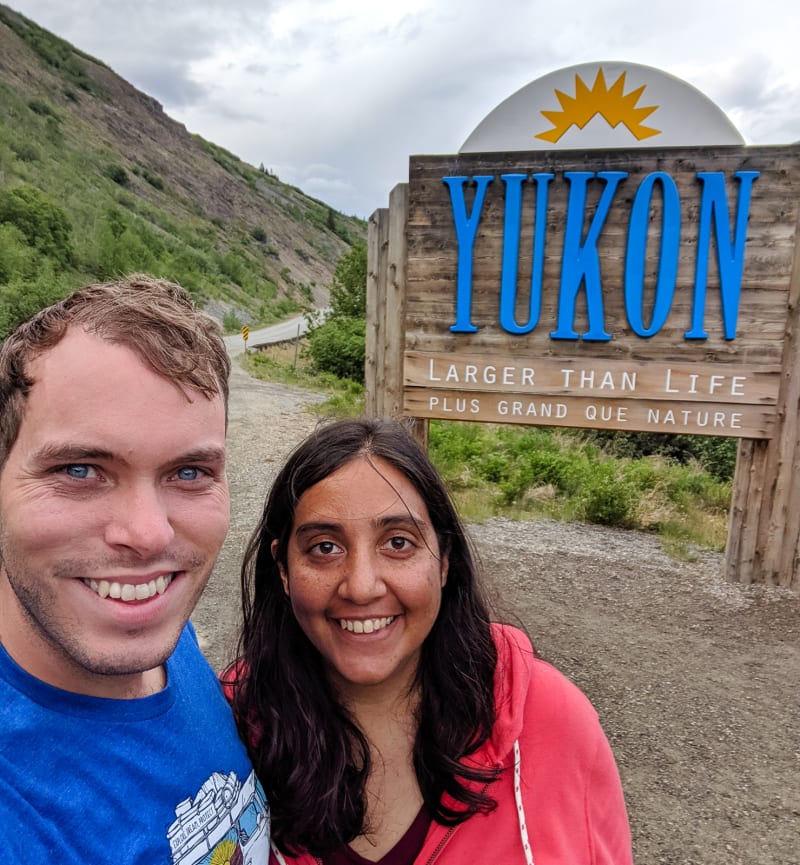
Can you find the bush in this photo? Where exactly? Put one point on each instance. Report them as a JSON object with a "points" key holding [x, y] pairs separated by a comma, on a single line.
{"points": [[338, 347], [18, 259], [44, 224], [26, 152], [118, 174], [22, 297], [231, 323], [715, 454], [42, 108], [606, 498], [153, 179]]}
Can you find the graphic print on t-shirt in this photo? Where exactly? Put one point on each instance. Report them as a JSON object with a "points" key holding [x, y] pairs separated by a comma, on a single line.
{"points": [[226, 822]]}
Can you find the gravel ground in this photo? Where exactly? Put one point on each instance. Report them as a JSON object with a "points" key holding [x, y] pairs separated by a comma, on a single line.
{"points": [[697, 681]]}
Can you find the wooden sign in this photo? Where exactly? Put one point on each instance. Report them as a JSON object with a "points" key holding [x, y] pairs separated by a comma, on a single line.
{"points": [[643, 290]]}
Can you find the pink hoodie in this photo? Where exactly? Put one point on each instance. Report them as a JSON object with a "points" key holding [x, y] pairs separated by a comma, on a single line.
{"points": [[559, 798]]}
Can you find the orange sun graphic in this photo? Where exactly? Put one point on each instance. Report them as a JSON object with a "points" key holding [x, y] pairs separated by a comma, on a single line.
{"points": [[610, 103]]}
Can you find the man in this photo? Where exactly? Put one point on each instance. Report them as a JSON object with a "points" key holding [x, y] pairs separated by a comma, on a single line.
{"points": [[116, 744]]}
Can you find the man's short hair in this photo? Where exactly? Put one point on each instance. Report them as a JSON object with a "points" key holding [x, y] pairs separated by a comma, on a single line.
{"points": [[155, 318]]}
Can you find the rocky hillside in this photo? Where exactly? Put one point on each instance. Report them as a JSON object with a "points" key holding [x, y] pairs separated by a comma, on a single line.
{"points": [[140, 192]]}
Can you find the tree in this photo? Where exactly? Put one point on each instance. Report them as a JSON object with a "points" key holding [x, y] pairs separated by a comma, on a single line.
{"points": [[348, 293], [338, 344]]}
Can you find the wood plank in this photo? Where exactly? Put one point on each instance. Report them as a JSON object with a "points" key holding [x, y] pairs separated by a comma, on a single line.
{"points": [[394, 310], [589, 377], [377, 254], [373, 318], [780, 530], [632, 415], [738, 512]]}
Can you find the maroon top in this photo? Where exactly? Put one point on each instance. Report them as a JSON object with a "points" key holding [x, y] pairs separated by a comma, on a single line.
{"points": [[403, 853]]}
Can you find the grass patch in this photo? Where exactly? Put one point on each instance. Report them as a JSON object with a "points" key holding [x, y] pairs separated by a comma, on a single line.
{"points": [[287, 363]]}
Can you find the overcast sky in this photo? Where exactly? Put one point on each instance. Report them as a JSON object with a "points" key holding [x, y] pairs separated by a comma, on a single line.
{"points": [[335, 95]]}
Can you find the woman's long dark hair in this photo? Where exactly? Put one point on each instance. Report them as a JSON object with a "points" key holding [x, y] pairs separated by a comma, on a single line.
{"points": [[310, 755]]}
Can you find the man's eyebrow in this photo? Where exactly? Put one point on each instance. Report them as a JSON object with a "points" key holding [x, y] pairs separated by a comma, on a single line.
{"points": [[75, 453], [71, 453], [202, 455]]}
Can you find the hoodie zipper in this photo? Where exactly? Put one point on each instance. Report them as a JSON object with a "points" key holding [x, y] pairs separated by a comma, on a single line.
{"points": [[449, 834]]}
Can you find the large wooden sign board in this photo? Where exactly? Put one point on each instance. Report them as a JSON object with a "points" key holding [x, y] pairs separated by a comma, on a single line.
{"points": [[635, 290]]}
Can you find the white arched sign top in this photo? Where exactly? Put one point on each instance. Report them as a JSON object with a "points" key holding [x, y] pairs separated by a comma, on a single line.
{"points": [[603, 105]]}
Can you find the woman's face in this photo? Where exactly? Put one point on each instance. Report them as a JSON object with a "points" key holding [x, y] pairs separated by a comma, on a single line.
{"points": [[365, 575]]}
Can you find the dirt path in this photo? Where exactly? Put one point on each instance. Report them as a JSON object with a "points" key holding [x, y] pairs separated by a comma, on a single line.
{"points": [[697, 682]]}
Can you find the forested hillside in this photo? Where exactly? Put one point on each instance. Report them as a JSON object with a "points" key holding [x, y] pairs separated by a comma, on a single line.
{"points": [[96, 180]]}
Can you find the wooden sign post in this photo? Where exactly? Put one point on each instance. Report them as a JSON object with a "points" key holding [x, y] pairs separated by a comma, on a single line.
{"points": [[641, 289]]}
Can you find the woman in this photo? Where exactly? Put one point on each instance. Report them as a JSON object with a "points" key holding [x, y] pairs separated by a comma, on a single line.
{"points": [[388, 720]]}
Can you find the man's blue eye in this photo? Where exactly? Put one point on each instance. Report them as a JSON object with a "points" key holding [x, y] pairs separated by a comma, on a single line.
{"points": [[187, 474], [78, 471]]}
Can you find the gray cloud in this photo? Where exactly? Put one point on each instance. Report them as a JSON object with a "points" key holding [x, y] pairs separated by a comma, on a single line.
{"points": [[298, 84]]}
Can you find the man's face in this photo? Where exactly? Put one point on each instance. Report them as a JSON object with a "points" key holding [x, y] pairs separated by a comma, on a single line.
{"points": [[113, 508]]}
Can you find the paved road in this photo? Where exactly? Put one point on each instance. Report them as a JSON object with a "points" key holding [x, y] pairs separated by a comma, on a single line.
{"points": [[286, 330]]}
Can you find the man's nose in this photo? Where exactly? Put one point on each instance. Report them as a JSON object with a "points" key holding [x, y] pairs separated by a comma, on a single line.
{"points": [[140, 521]]}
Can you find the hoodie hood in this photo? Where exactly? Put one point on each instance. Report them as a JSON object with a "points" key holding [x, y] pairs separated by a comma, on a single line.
{"points": [[512, 681]]}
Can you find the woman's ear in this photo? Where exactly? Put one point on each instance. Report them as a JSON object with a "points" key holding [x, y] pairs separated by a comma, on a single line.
{"points": [[281, 570], [444, 566]]}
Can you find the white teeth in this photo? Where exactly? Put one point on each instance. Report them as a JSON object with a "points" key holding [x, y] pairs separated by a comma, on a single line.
{"points": [[129, 591], [365, 626]]}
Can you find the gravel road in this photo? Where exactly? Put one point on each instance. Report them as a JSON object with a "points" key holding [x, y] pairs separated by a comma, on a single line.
{"points": [[697, 681]]}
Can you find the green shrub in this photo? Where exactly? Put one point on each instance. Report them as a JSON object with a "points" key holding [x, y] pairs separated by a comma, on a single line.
{"points": [[42, 108], [44, 224], [17, 258], [606, 498], [153, 179], [22, 296], [26, 152], [715, 454], [126, 244], [118, 174], [338, 347], [231, 322]]}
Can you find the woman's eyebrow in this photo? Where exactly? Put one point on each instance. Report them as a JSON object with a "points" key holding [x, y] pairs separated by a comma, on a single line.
{"points": [[404, 519], [401, 520], [311, 528]]}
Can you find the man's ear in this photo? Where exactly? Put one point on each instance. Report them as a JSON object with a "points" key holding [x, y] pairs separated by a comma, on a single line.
{"points": [[281, 570]]}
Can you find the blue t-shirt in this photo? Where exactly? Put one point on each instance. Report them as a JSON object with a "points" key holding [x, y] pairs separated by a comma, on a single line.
{"points": [[161, 779]]}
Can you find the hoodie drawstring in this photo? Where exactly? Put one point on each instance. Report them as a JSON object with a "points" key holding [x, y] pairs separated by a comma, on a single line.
{"points": [[523, 829]]}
